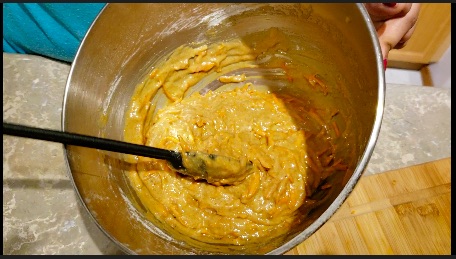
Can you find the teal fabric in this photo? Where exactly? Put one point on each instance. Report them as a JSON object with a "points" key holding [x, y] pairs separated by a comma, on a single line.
{"points": [[53, 30]]}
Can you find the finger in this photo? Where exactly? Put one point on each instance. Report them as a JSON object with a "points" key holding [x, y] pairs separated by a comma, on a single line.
{"points": [[403, 42], [408, 35], [381, 12], [385, 47], [397, 31]]}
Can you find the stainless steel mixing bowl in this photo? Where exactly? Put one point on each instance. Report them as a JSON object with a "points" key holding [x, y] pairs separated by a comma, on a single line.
{"points": [[125, 41]]}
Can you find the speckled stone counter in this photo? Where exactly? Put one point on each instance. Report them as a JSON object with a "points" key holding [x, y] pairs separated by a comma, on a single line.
{"points": [[41, 211]]}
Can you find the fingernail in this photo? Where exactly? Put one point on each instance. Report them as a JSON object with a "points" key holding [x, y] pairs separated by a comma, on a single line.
{"points": [[390, 4], [385, 63]]}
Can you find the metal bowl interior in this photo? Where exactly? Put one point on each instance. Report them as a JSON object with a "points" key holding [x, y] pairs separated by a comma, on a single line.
{"points": [[127, 39]]}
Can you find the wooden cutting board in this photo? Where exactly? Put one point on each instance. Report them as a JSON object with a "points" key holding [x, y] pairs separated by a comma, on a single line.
{"points": [[405, 212]]}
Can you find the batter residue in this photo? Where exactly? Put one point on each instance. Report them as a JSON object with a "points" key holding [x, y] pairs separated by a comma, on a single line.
{"points": [[244, 122]]}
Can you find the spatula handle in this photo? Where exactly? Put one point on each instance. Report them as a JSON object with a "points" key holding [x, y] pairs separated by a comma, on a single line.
{"points": [[91, 142]]}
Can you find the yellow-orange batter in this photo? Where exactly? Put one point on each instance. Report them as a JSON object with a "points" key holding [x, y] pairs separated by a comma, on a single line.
{"points": [[244, 122]]}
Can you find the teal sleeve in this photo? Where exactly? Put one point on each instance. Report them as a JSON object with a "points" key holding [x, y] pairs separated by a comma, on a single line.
{"points": [[53, 30]]}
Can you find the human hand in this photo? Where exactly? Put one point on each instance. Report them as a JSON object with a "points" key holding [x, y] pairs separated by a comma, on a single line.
{"points": [[394, 23]]}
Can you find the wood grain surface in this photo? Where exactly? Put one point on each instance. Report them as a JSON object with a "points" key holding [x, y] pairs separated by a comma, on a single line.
{"points": [[404, 212]]}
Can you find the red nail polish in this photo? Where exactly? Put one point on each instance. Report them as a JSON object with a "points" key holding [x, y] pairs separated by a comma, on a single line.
{"points": [[385, 63], [390, 4]]}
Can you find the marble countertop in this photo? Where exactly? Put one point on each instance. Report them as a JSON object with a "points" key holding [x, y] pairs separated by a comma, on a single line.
{"points": [[41, 211]]}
